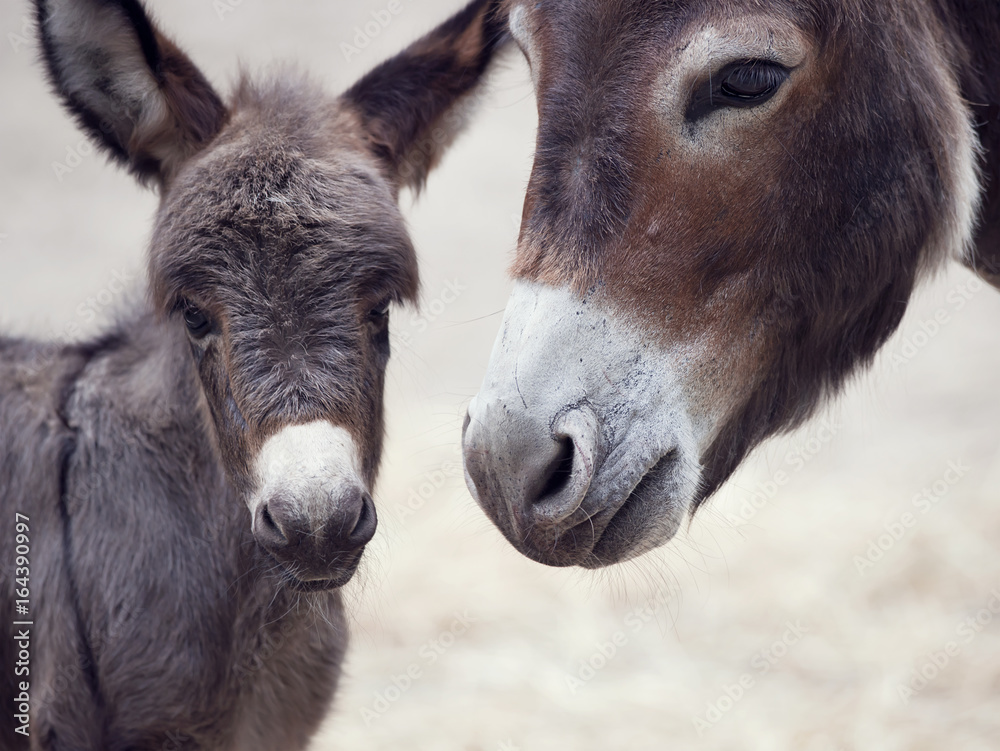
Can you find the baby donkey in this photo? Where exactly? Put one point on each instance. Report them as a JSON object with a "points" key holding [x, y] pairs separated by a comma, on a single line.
{"points": [[195, 485]]}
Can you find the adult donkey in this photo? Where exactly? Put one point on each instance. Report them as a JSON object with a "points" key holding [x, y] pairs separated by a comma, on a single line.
{"points": [[730, 205], [191, 488]]}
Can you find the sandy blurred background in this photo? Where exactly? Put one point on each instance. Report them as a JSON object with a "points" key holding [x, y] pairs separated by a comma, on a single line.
{"points": [[786, 617]]}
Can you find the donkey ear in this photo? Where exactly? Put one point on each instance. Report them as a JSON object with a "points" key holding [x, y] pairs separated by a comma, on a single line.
{"points": [[130, 88], [414, 104]]}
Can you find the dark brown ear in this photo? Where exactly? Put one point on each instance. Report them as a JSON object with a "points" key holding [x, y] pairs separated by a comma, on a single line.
{"points": [[134, 92], [414, 104]]}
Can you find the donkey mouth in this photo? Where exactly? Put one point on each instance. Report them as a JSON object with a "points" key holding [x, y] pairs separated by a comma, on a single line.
{"points": [[648, 517], [293, 577]]}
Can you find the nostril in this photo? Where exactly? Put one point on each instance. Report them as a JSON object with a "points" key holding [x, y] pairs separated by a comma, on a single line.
{"points": [[364, 528], [268, 531], [364, 517], [559, 471], [268, 522]]}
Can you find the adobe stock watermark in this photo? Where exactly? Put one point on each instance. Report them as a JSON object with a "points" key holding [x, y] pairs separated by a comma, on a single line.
{"points": [[421, 320], [425, 489], [363, 35], [75, 156], [24, 38], [116, 104], [428, 654], [761, 663], [605, 651], [23, 623], [223, 8], [924, 501], [935, 662], [928, 328], [795, 460], [178, 741], [86, 312]]}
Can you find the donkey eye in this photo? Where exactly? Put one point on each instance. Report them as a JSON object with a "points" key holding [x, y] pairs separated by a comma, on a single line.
{"points": [[198, 324], [380, 313], [754, 81], [746, 83], [378, 321]]}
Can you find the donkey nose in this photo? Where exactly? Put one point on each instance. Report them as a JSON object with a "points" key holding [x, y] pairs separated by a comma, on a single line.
{"points": [[314, 544], [530, 476]]}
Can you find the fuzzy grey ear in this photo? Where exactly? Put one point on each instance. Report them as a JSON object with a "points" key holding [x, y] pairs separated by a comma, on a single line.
{"points": [[414, 104], [133, 91]]}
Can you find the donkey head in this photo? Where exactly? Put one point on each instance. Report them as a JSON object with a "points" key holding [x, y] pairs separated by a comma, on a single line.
{"points": [[278, 247], [729, 207]]}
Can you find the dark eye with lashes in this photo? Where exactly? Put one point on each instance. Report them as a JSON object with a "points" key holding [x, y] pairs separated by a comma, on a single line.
{"points": [[378, 321], [198, 324], [380, 313], [746, 83]]}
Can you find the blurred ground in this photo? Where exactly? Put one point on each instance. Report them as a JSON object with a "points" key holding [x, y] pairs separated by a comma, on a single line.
{"points": [[787, 617]]}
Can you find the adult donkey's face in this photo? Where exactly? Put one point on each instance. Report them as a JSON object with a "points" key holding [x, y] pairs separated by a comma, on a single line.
{"points": [[278, 247], [729, 206]]}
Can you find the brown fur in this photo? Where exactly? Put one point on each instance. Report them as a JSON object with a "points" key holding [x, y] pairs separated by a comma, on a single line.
{"points": [[160, 622], [454, 59], [793, 251], [194, 111]]}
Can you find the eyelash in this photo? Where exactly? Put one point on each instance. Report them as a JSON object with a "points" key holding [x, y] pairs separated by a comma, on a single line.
{"points": [[741, 84], [199, 324], [380, 313]]}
